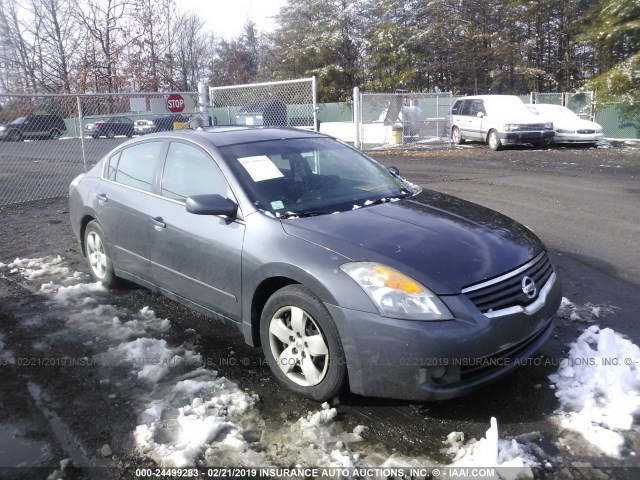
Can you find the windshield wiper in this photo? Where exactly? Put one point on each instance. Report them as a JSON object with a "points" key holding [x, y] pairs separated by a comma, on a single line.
{"points": [[304, 213]]}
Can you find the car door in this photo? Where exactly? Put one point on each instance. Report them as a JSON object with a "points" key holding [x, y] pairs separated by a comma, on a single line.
{"points": [[122, 203], [197, 257], [476, 120], [464, 120]]}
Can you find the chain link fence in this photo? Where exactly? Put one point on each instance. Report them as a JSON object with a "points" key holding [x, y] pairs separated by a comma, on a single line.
{"points": [[582, 104], [46, 140], [289, 103], [386, 120]]}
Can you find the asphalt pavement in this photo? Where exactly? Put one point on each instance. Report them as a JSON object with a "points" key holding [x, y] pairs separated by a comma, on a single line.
{"points": [[583, 203]]}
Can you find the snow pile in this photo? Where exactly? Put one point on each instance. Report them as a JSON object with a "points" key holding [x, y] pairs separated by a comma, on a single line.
{"points": [[586, 313], [599, 388], [509, 458], [198, 416], [33, 268]]}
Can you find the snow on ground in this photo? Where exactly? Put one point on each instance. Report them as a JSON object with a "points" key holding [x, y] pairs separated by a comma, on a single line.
{"points": [[587, 313], [599, 388], [189, 415], [510, 458]]}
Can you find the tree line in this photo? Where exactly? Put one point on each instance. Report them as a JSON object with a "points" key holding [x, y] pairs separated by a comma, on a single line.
{"points": [[468, 47]]}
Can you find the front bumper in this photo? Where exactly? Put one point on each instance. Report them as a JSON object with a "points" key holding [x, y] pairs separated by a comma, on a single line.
{"points": [[577, 137], [530, 136], [423, 361]]}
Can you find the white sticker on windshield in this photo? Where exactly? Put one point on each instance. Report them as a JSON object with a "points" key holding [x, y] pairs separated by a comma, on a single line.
{"points": [[260, 168]]}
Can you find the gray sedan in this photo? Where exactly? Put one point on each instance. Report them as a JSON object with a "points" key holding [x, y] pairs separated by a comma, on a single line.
{"points": [[344, 273]]}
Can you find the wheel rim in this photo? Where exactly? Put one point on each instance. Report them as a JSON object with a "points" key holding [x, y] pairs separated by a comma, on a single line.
{"points": [[14, 136], [111, 134], [298, 346], [96, 254], [55, 134], [493, 140], [456, 135]]}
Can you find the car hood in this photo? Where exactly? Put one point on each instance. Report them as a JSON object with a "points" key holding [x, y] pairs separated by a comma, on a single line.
{"points": [[442, 241], [576, 124]]}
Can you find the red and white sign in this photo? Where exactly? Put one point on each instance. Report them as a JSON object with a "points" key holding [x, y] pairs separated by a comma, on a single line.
{"points": [[175, 103]]}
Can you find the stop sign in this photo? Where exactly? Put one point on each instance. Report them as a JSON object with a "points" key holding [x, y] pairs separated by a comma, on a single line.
{"points": [[175, 103]]}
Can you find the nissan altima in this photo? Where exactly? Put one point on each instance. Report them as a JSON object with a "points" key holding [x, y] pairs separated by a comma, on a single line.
{"points": [[346, 275]]}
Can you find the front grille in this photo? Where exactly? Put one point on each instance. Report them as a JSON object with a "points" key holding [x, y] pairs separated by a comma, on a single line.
{"points": [[586, 131], [532, 126], [506, 290]]}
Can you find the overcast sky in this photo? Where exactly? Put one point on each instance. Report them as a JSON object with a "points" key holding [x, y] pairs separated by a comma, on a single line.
{"points": [[226, 17]]}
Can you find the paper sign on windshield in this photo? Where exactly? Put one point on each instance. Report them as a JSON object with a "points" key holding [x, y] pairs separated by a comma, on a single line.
{"points": [[260, 168]]}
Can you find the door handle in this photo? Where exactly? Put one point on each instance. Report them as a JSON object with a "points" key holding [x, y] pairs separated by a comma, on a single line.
{"points": [[158, 223], [101, 197]]}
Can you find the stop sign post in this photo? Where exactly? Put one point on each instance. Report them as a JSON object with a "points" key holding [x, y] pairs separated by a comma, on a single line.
{"points": [[175, 103]]}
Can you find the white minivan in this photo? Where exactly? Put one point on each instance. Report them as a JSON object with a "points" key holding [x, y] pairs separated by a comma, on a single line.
{"points": [[498, 120]]}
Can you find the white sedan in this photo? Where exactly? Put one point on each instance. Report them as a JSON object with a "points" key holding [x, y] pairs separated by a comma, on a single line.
{"points": [[568, 127]]}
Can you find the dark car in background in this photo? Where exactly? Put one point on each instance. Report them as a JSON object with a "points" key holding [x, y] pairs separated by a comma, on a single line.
{"points": [[158, 124], [263, 112], [35, 126], [110, 128], [342, 271]]}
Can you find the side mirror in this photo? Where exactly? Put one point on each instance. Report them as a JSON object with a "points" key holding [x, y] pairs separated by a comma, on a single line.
{"points": [[480, 115], [211, 205], [393, 171]]}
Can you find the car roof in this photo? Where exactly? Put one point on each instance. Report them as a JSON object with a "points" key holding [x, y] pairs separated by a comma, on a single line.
{"points": [[487, 97], [225, 136]]}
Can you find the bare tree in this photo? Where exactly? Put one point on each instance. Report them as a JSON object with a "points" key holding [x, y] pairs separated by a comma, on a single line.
{"points": [[103, 20]]}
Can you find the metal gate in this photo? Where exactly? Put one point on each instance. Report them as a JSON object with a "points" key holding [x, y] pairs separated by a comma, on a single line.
{"points": [[290, 103], [388, 120]]}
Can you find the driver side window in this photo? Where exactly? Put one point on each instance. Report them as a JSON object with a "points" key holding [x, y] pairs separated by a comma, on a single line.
{"points": [[190, 171]]}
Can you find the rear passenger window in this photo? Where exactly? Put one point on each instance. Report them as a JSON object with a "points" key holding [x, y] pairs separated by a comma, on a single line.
{"points": [[112, 166], [190, 171], [137, 165], [466, 107]]}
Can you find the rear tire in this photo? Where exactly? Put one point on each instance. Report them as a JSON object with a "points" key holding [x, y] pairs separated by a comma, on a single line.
{"points": [[98, 258], [494, 141], [111, 134], [14, 136], [301, 344]]}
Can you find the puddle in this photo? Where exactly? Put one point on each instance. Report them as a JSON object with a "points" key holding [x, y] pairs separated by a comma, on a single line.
{"points": [[16, 451]]}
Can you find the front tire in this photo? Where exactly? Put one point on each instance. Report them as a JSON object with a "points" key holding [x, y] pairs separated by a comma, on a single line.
{"points": [[456, 136], [494, 141], [301, 344], [55, 134], [111, 134], [98, 258]]}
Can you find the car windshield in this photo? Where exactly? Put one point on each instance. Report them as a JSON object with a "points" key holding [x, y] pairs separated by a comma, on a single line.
{"points": [[18, 121], [311, 176]]}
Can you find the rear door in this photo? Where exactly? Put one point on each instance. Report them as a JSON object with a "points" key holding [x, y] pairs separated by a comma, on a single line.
{"points": [[122, 205], [464, 120], [195, 256]]}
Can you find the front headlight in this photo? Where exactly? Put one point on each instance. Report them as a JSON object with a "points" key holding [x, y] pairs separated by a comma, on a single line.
{"points": [[548, 125], [509, 127], [564, 130], [2, 129], [396, 295]]}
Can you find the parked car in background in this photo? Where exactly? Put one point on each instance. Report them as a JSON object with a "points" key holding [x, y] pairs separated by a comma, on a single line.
{"points": [[263, 112], [498, 120], [35, 126], [158, 124], [567, 126], [110, 127], [413, 294]]}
